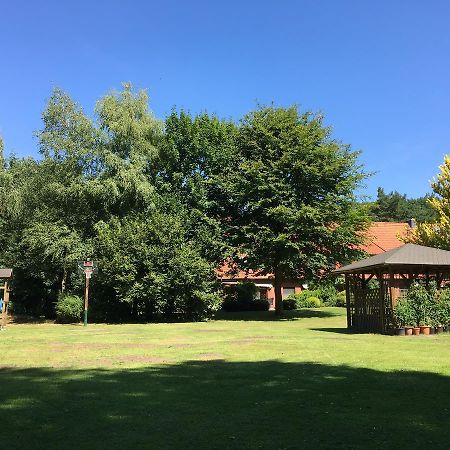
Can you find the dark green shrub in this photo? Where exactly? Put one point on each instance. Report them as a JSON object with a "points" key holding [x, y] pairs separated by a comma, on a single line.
{"points": [[289, 304], [69, 308], [259, 305], [242, 297]]}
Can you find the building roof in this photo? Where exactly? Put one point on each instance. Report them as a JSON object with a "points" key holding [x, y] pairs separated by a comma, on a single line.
{"points": [[406, 255], [384, 236]]}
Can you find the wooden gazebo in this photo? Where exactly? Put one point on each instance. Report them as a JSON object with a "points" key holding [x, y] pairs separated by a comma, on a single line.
{"points": [[370, 310], [5, 277]]}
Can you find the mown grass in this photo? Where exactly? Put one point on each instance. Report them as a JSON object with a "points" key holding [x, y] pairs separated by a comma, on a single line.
{"points": [[251, 382]]}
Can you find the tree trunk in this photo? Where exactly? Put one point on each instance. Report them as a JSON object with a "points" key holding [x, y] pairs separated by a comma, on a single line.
{"points": [[64, 281], [278, 296]]}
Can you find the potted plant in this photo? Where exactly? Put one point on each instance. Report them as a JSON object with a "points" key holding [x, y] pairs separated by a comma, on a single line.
{"points": [[402, 316], [425, 326]]}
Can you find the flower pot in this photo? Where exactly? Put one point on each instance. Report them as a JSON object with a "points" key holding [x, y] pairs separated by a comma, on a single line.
{"points": [[432, 330], [399, 331], [425, 330], [408, 331], [448, 328], [439, 329], [416, 331]]}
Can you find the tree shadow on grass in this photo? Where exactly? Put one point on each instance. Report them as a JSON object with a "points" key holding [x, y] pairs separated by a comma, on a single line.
{"points": [[224, 405], [253, 316], [334, 330]]}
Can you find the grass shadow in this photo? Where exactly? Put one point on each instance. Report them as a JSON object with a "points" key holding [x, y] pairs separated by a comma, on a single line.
{"points": [[20, 319], [224, 405], [272, 316], [334, 330]]}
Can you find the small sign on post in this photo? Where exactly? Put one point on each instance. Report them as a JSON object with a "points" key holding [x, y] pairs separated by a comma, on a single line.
{"points": [[88, 269]]}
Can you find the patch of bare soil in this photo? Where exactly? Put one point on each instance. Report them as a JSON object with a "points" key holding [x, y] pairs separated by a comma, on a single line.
{"points": [[250, 340], [209, 331], [210, 356]]}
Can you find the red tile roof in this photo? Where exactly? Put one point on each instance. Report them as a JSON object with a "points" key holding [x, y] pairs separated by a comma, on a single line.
{"points": [[384, 236]]}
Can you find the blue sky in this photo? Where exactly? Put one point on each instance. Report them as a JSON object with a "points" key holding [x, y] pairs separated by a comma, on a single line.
{"points": [[379, 71]]}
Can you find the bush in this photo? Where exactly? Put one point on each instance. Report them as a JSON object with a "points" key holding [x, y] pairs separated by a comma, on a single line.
{"points": [[289, 304], [69, 309], [259, 305], [313, 302], [421, 303], [403, 314], [241, 297], [302, 300]]}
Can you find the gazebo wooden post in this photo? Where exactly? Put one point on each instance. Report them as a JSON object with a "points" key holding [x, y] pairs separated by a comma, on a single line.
{"points": [[347, 300], [391, 287], [381, 299]]}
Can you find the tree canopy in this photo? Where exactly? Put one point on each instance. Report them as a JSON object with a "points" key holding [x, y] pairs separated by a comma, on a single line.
{"points": [[396, 207], [294, 211], [160, 204]]}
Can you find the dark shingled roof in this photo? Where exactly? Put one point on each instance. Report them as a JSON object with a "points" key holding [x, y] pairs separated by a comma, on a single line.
{"points": [[406, 255], [5, 273]]}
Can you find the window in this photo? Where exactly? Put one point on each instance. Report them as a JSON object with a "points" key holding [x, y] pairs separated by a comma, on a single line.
{"points": [[287, 291]]}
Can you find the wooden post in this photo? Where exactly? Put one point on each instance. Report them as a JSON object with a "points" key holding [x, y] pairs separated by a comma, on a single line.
{"points": [[347, 301], [391, 288], [86, 298], [382, 305]]}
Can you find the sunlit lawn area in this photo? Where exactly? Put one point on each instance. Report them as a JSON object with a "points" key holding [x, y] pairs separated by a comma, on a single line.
{"points": [[244, 383]]}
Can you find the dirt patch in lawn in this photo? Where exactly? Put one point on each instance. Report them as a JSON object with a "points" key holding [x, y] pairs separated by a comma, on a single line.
{"points": [[210, 356], [210, 331], [60, 347], [125, 359], [250, 339]]}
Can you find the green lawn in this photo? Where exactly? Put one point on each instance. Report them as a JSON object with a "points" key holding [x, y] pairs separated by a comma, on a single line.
{"points": [[246, 383]]}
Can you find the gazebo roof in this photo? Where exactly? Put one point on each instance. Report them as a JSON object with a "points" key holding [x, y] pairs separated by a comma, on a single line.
{"points": [[409, 255]]}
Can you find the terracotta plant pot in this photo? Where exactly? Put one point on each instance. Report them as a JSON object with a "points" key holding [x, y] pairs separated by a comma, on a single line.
{"points": [[409, 331], [399, 331], [425, 330], [439, 330], [416, 331]]}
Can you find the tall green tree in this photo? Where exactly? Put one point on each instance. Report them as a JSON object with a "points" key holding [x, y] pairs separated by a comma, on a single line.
{"points": [[396, 207], [293, 197]]}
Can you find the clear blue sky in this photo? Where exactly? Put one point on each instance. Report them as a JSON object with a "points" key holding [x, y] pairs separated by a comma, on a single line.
{"points": [[378, 70]]}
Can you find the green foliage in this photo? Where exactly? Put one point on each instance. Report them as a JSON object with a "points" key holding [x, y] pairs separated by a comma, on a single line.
{"points": [[289, 303], [395, 207], [242, 297], [294, 188], [421, 302], [153, 264], [160, 205], [404, 314], [423, 306], [69, 309], [305, 299]]}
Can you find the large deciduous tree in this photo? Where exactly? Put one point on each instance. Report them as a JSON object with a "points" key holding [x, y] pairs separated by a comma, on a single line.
{"points": [[293, 197]]}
